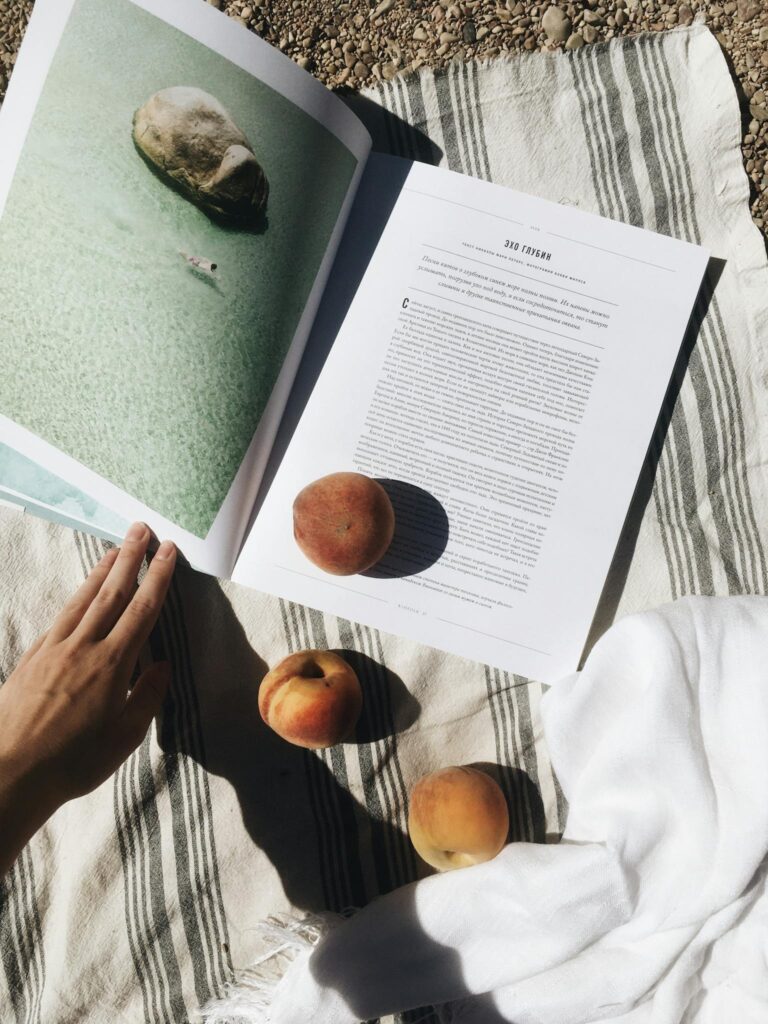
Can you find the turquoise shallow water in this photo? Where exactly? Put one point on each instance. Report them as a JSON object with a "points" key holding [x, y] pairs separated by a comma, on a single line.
{"points": [[26, 484], [114, 349]]}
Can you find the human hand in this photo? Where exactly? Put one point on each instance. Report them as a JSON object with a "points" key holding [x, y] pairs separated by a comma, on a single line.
{"points": [[67, 720]]}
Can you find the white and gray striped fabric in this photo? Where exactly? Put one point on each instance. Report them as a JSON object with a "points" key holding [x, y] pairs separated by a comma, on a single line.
{"points": [[134, 903]]}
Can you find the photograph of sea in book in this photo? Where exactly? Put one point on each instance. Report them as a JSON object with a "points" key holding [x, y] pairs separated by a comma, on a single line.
{"points": [[166, 229]]}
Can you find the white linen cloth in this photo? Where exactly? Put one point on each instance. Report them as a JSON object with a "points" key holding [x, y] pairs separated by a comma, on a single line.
{"points": [[652, 908]]}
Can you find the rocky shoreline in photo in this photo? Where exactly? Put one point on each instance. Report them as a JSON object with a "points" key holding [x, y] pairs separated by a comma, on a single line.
{"points": [[190, 139]]}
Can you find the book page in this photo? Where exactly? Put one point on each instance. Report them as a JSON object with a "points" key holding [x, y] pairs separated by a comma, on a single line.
{"points": [[172, 193], [501, 369]]}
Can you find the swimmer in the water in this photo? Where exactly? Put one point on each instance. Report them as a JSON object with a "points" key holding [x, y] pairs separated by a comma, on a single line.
{"points": [[199, 263]]}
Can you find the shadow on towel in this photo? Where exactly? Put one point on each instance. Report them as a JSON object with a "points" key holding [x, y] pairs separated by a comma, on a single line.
{"points": [[390, 134], [325, 845], [524, 802], [367, 988], [388, 705], [294, 807], [625, 549]]}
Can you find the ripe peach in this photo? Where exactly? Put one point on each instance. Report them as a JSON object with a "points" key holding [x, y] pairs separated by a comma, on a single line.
{"points": [[457, 817], [343, 522], [311, 698]]}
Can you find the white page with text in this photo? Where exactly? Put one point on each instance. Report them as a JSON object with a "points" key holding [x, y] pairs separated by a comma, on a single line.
{"points": [[501, 367]]}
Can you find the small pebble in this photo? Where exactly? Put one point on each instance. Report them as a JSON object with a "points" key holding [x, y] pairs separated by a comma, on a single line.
{"points": [[574, 42], [383, 7], [747, 9], [556, 24]]}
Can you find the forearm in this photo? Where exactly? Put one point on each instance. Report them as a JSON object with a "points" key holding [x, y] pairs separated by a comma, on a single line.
{"points": [[71, 711], [24, 808]]}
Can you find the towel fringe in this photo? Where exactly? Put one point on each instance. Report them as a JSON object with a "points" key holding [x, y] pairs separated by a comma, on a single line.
{"points": [[248, 997]]}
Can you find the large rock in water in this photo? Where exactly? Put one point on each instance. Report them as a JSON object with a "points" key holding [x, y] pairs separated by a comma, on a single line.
{"points": [[189, 136]]}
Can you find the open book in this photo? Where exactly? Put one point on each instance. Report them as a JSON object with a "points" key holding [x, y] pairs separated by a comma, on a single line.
{"points": [[213, 293]]}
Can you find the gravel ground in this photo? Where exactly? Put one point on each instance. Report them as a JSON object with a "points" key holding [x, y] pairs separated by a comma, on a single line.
{"points": [[349, 43]]}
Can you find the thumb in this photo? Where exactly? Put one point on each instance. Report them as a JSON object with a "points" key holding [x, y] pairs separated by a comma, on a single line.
{"points": [[143, 704]]}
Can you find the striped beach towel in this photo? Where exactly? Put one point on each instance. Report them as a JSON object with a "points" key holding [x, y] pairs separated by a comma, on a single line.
{"points": [[135, 903]]}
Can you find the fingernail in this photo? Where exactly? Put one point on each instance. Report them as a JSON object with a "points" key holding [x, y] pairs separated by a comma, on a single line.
{"points": [[166, 550], [137, 531]]}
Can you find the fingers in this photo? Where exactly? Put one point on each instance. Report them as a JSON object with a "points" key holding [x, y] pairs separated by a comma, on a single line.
{"points": [[108, 604], [72, 613], [137, 621], [143, 704]]}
